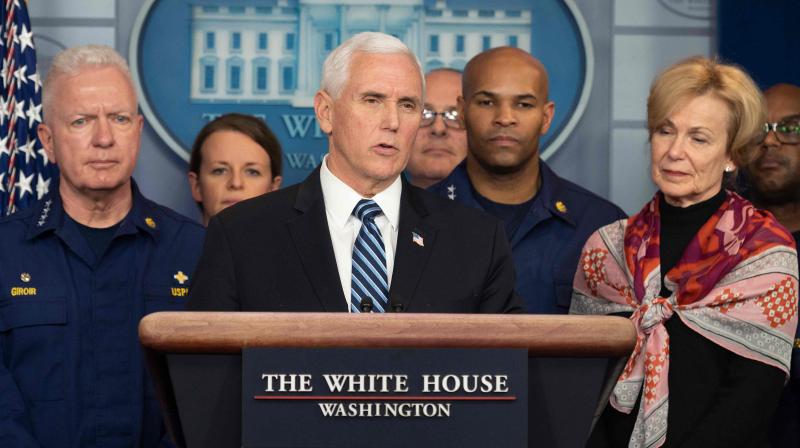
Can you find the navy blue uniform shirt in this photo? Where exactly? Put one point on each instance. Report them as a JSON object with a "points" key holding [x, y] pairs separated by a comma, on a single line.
{"points": [[71, 369], [547, 242]]}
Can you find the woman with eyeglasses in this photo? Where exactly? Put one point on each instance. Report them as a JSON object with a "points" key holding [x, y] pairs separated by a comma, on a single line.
{"points": [[708, 280]]}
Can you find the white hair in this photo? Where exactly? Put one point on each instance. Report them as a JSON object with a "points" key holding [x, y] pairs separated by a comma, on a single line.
{"points": [[73, 60], [336, 68]]}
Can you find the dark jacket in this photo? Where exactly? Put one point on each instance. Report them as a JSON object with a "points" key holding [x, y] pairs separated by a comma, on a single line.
{"points": [[274, 253]]}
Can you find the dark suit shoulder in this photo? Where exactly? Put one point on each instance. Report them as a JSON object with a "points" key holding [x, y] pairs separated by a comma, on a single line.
{"points": [[273, 207]]}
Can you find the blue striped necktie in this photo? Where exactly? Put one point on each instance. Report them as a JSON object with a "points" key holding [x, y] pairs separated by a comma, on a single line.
{"points": [[369, 282]]}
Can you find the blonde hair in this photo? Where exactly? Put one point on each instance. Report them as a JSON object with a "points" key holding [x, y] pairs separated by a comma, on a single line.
{"points": [[697, 76]]}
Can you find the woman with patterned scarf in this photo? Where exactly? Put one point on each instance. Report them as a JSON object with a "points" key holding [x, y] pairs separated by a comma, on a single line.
{"points": [[709, 281]]}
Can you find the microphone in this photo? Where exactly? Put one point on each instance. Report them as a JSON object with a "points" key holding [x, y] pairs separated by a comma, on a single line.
{"points": [[396, 304], [366, 305]]}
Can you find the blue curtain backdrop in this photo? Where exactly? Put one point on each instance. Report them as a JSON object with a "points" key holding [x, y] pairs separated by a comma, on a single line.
{"points": [[761, 36]]}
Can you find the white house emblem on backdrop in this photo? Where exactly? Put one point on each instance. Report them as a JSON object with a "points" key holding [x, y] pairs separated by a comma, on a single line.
{"points": [[274, 54], [193, 61]]}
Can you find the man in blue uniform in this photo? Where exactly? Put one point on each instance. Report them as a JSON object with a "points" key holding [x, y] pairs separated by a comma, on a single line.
{"points": [[774, 175], [81, 267], [547, 219]]}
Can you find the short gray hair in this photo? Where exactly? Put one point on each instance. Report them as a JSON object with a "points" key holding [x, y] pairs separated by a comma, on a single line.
{"points": [[336, 68], [71, 61]]}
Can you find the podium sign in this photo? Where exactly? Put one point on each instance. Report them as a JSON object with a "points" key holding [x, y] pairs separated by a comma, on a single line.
{"points": [[196, 361], [384, 397]]}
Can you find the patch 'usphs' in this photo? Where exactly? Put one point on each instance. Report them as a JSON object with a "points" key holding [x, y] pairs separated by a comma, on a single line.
{"points": [[181, 278]]}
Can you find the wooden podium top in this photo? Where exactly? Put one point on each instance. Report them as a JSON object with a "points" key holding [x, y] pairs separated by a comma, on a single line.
{"points": [[542, 335]]}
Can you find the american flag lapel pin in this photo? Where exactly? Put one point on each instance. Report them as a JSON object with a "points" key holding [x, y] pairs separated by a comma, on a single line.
{"points": [[417, 239]]}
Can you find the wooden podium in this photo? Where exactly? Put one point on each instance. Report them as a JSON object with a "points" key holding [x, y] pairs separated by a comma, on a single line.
{"points": [[574, 360]]}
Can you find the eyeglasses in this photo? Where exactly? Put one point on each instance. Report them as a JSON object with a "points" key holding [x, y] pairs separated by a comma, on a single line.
{"points": [[449, 117], [787, 131]]}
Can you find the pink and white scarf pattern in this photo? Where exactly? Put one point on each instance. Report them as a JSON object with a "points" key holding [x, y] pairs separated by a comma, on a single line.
{"points": [[735, 284]]}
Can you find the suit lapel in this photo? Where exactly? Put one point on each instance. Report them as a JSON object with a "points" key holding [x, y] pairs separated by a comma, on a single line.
{"points": [[312, 239], [415, 241]]}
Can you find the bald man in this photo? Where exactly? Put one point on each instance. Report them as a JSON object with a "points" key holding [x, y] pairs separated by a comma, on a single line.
{"points": [[441, 142], [774, 175], [547, 219]]}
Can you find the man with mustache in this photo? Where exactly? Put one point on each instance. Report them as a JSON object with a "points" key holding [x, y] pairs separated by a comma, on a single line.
{"points": [[354, 236], [505, 109], [774, 176]]}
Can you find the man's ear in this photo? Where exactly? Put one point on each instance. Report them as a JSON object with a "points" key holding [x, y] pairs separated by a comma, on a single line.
{"points": [[548, 111], [46, 137], [323, 108]]}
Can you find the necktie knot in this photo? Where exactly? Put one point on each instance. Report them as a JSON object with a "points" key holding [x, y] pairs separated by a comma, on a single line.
{"points": [[366, 210]]}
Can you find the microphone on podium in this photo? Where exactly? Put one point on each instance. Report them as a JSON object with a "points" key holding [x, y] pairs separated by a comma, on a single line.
{"points": [[366, 305], [396, 304]]}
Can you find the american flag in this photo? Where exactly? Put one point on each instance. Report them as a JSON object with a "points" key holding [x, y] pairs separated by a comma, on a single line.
{"points": [[25, 171]]}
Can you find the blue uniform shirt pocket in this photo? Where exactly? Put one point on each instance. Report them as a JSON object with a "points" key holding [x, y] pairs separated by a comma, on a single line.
{"points": [[33, 334]]}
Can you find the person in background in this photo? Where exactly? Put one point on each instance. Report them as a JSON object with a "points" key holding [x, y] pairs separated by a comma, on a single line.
{"points": [[708, 280], [234, 157], [81, 267], [774, 178], [441, 142], [546, 218]]}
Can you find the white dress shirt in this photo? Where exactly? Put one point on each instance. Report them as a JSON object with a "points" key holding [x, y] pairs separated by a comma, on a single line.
{"points": [[340, 200]]}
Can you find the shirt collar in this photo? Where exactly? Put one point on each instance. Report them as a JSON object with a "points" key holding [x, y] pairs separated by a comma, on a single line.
{"points": [[142, 215], [340, 199], [458, 187], [550, 199], [49, 215]]}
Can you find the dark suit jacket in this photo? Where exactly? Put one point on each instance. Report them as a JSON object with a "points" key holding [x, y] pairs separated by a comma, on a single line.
{"points": [[274, 253]]}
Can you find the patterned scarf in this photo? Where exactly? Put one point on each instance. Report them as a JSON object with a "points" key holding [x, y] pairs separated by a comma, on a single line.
{"points": [[735, 284]]}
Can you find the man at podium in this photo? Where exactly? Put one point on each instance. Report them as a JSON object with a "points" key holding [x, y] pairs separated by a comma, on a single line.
{"points": [[355, 235]]}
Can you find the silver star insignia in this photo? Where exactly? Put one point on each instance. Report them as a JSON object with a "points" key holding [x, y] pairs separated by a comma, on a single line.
{"points": [[45, 212], [451, 192]]}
